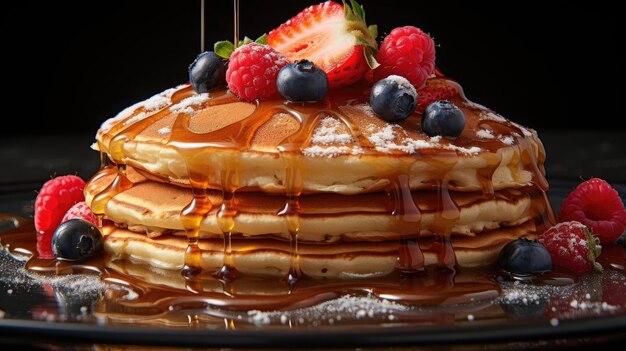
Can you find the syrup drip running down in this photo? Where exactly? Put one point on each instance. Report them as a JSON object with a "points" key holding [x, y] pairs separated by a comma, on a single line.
{"points": [[202, 41], [223, 148], [213, 158]]}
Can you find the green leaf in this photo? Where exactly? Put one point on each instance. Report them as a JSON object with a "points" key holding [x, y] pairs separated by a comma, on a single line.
{"points": [[262, 39], [594, 250], [373, 29], [245, 41], [224, 49], [369, 57], [347, 12], [357, 9]]}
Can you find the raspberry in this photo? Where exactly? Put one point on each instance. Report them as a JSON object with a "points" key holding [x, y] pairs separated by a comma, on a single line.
{"points": [[54, 199], [433, 92], [252, 71], [597, 205], [407, 52], [82, 211], [572, 246]]}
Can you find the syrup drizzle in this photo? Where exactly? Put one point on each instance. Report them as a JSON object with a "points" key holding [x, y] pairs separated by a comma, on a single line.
{"points": [[222, 171]]}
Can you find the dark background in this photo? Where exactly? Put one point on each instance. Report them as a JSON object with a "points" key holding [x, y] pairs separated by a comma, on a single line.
{"points": [[546, 64]]}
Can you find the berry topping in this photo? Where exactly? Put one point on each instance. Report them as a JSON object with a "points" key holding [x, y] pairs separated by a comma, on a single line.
{"points": [[302, 81], [393, 98], [443, 118], [523, 256], [76, 239], [333, 36], [206, 72], [432, 92], [82, 211], [597, 205], [252, 71], [54, 199], [572, 246], [407, 52]]}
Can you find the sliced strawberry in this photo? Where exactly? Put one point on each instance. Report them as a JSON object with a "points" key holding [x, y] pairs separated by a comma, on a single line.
{"points": [[334, 37]]}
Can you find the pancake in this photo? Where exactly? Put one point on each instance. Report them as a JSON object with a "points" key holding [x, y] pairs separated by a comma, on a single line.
{"points": [[214, 140], [272, 257], [322, 189], [154, 208]]}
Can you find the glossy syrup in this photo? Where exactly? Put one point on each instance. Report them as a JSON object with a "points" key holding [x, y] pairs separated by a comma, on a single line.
{"points": [[159, 290], [223, 172]]}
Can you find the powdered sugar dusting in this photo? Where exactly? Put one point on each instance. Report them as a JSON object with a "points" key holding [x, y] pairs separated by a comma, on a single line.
{"points": [[331, 151], [393, 138], [488, 134], [345, 307], [149, 106], [508, 140], [582, 299], [403, 83], [74, 284], [491, 116], [485, 134], [165, 130], [327, 133], [136, 118], [186, 105]]}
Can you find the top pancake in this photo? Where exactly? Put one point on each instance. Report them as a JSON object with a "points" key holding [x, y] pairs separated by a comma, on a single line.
{"points": [[214, 140]]}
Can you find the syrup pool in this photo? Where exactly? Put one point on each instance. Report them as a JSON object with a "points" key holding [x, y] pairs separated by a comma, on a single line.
{"points": [[140, 294]]}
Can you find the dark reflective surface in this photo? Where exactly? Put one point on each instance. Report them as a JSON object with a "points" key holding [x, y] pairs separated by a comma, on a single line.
{"points": [[71, 306]]}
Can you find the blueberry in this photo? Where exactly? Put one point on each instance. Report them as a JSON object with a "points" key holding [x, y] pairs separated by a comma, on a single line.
{"points": [[443, 118], [206, 72], [522, 256], [76, 239], [393, 98], [302, 81]]}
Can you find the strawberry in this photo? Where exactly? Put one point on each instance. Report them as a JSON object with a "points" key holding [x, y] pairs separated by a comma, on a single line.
{"points": [[333, 36]]}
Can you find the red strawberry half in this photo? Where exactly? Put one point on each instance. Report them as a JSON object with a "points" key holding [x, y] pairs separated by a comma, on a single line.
{"points": [[333, 36]]}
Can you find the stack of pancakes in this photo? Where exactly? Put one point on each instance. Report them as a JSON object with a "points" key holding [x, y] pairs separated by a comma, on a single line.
{"points": [[327, 186]]}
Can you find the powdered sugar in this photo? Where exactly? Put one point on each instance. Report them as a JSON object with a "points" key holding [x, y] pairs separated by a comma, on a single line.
{"points": [[72, 284], [345, 307], [327, 133], [508, 140], [136, 118], [490, 116], [488, 134], [393, 138], [403, 83], [387, 139], [331, 151], [187, 105], [485, 134], [149, 106], [164, 130]]}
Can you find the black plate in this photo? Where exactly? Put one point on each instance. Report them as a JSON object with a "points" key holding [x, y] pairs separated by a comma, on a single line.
{"points": [[20, 300]]}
